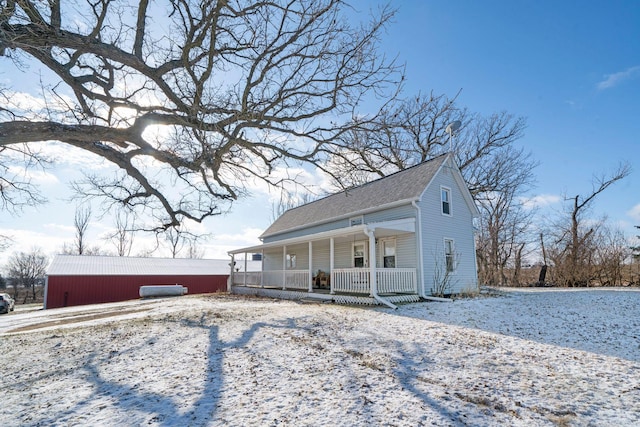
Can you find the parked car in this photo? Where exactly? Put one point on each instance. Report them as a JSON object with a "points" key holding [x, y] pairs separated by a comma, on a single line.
{"points": [[7, 303]]}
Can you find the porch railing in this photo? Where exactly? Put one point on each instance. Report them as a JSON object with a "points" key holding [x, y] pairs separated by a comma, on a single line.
{"points": [[296, 279], [252, 278], [352, 280], [396, 280], [290, 279], [349, 280]]}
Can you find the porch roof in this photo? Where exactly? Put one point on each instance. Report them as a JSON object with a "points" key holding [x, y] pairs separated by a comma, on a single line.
{"points": [[380, 229]]}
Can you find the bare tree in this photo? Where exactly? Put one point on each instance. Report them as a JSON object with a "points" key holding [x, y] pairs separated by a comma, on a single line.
{"points": [[122, 237], [575, 240], [610, 254], [178, 239], [403, 133], [444, 265], [5, 242], [195, 251], [81, 224], [27, 269], [16, 188], [504, 225], [412, 130], [288, 201], [211, 94], [175, 240]]}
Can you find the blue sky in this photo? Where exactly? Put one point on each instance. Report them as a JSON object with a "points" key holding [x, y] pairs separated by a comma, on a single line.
{"points": [[571, 68]]}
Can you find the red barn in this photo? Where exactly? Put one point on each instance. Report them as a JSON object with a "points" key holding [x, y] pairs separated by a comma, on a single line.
{"points": [[78, 280]]}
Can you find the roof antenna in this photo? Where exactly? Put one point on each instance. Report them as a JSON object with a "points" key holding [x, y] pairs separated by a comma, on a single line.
{"points": [[451, 129]]}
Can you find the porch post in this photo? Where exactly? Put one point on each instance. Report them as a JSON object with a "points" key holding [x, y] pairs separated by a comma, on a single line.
{"points": [[262, 268], [331, 281], [284, 267], [372, 264], [310, 266], [232, 264], [245, 269]]}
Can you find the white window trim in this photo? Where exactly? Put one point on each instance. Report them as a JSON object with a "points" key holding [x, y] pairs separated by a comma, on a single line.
{"points": [[453, 255], [353, 254], [291, 261], [448, 190], [395, 245]]}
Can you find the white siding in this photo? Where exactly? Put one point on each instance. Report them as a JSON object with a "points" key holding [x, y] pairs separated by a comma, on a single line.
{"points": [[405, 251], [321, 252], [302, 256], [400, 212], [343, 253], [273, 259], [436, 227], [311, 230]]}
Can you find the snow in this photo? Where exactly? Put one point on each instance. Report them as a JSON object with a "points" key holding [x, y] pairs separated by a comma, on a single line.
{"points": [[523, 358]]}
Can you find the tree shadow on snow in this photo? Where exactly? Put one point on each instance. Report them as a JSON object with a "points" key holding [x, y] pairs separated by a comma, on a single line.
{"points": [[410, 370], [163, 409]]}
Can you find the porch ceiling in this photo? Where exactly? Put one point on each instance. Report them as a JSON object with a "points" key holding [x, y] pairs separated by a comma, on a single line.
{"points": [[380, 229]]}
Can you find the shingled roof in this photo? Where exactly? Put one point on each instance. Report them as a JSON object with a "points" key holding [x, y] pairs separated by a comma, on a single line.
{"points": [[405, 185]]}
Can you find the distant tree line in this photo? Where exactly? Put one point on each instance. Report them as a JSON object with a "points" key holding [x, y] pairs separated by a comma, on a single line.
{"points": [[25, 275]]}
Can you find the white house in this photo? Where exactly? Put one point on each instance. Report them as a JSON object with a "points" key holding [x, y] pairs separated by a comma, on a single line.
{"points": [[405, 236]]}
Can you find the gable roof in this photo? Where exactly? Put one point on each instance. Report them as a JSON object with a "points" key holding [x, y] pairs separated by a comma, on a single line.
{"points": [[403, 186], [81, 265]]}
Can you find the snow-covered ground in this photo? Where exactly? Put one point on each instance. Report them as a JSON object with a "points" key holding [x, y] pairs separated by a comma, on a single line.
{"points": [[525, 358]]}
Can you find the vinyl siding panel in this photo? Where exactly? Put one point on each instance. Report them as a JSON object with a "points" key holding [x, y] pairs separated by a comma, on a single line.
{"points": [[302, 256], [310, 230], [437, 227], [343, 254], [321, 256], [400, 212], [406, 251], [272, 259]]}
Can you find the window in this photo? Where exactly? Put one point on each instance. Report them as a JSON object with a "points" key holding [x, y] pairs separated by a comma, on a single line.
{"points": [[449, 255], [291, 261], [358, 220], [445, 195], [359, 254], [389, 253]]}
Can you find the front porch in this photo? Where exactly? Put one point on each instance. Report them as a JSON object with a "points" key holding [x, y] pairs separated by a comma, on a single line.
{"points": [[345, 285], [365, 263]]}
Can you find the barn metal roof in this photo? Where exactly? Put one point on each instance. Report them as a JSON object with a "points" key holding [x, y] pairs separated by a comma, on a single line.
{"points": [[81, 265]]}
